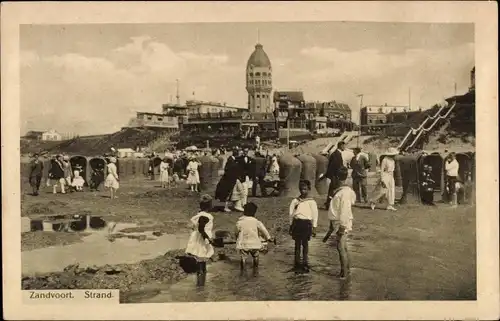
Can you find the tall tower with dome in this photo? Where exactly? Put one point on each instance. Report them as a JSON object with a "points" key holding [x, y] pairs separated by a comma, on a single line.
{"points": [[259, 81]]}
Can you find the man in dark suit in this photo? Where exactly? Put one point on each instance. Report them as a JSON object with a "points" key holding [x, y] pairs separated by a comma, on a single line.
{"points": [[36, 174], [259, 175], [231, 160], [247, 167], [335, 161]]}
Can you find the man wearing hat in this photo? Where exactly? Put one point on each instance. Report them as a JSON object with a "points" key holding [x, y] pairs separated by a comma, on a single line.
{"points": [[335, 162], [36, 173], [360, 165]]}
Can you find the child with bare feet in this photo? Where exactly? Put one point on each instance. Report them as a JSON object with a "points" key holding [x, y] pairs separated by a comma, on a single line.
{"points": [[248, 233], [303, 223], [340, 216]]}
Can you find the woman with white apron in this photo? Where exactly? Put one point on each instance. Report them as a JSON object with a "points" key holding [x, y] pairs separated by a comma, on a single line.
{"points": [[386, 186]]}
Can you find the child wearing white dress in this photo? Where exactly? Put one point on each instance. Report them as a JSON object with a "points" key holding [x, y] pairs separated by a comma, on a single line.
{"points": [[193, 178], [112, 180], [78, 181], [199, 244], [164, 177]]}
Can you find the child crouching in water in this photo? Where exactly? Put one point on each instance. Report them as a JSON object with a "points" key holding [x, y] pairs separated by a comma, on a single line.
{"points": [[340, 215], [248, 232], [200, 244], [304, 220]]}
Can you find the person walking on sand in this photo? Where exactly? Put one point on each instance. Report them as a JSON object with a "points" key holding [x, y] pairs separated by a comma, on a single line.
{"points": [[164, 175], [112, 180], [303, 223], [360, 165], [386, 186], [227, 185], [340, 216], [56, 174], [335, 161], [452, 166], [248, 234], [200, 241], [67, 173], [193, 178], [36, 173]]}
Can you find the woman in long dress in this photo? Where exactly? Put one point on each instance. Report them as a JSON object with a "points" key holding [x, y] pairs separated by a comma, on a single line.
{"points": [[199, 244], [386, 186], [112, 180], [193, 178], [164, 177]]}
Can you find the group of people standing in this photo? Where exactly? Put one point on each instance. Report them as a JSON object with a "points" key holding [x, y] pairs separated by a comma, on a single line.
{"points": [[65, 177], [233, 186], [61, 174], [360, 165]]}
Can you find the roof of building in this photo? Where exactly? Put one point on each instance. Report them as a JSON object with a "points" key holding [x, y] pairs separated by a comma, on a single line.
{"points": [[34, 133], [258, 58], [329, 104], [290, 95]]}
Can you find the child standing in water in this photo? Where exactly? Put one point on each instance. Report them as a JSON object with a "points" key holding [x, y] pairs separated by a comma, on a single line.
{"points": [[340, 216], [304, 220], [248, 232], [200, 244]]}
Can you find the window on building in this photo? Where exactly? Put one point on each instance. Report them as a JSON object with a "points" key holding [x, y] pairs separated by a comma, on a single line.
{"points": [[149, 117], [264, 74], [160, 118], [251, 74], [258, 96], [257, 74], [370, 121]]}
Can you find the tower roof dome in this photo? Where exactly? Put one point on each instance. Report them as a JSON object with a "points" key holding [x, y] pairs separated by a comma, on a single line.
{"points": [[259, 58]]}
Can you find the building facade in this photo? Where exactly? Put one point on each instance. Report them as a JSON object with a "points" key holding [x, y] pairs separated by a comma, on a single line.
{"points": [[377, 114], [51, 135], [259, 81], [331, 110], [155, 120]]}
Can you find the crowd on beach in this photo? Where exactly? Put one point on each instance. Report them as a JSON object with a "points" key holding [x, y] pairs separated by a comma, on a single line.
{"points": [[243, 173], [251, 234]]}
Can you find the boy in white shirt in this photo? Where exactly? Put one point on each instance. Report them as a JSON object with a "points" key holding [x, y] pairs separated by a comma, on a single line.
{"points": [[303, 223], [248, 232], [451, 166], [340, 215]]}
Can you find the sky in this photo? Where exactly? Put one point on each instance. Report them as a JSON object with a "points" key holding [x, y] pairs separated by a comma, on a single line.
{"points": [[92, 78]]}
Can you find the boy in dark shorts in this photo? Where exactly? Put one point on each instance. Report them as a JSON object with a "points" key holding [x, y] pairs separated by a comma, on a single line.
{"points": [[248, 233], [303, 223]]}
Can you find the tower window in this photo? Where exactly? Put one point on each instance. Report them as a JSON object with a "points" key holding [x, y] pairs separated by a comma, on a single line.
{"points": [[258, 96], [251, 74], [264, 74], [258, 82], [257, 74], [269, 74], [264, 82]]}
